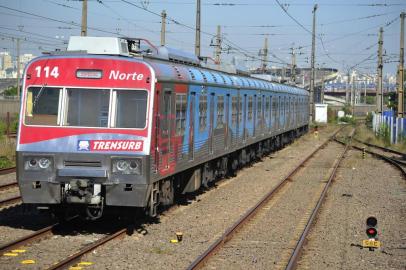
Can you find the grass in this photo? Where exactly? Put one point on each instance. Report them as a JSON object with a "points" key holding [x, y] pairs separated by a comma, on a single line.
{"points": [[366, 134], [7, 152]]}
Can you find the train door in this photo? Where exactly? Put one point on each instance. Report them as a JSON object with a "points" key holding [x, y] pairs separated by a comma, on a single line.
{"points": [[211, 123], [289, 112], [244, 117], [165, 127], [254, 120], [227, 122], [191, 125]]}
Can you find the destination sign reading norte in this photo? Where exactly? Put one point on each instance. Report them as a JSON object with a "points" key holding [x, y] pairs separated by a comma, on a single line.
{"points": [[110, 145]]}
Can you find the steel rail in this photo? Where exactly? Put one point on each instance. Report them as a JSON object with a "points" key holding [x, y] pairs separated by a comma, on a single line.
{"points": [[28, 239], [12, 200], [75, 257], [8, 186], [392, 161], [298, 248], [7, 170], [381, 148], [227, 235]]}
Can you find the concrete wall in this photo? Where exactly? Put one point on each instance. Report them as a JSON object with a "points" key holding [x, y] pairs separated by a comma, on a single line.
{"points": [[11, 106]]}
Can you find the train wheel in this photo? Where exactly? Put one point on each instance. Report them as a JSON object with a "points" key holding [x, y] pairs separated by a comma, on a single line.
{"points": [[167, 193]]}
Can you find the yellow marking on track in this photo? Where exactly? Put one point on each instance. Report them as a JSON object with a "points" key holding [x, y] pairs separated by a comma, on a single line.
{"points": [[9, 254], [85, 263], [75, 268], [28, 262], [18, 250]]}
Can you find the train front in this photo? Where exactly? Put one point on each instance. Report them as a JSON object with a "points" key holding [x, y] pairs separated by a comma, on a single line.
{"points": [[84, 130]]}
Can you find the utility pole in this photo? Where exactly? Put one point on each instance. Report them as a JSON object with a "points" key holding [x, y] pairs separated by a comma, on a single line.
{"points": [[163, 27], [401, 88], [379, 90], [264, 55], [18, 68], [217, 52], [197, 45], [312, 66], [293, 66], [347, 87], [84, 18]]}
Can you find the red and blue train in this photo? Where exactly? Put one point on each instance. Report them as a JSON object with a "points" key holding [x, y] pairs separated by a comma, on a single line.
{"points": [[113, 123]]}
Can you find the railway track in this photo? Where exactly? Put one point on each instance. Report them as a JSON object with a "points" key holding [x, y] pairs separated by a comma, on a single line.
{"points": [[74, 258], [7, 170], [395, 161], [8, 186], [28, 239], [49, 231], [231, 231], [8, 201]]}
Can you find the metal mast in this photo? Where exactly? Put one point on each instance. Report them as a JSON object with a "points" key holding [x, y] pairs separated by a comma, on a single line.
{"points": [[163, 27], [83, 32], [312, 75], [379, 92], [401, 77], [197, 46]]}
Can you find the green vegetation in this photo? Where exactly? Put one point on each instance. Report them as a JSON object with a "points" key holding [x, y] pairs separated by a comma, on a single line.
{"points": [[366, 134], [11, 91]]}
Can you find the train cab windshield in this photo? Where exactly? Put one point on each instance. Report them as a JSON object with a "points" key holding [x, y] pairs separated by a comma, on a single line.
{"points": [[81, 107]]}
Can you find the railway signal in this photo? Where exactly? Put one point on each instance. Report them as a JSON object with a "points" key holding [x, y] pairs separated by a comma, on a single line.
{"points": [[372, 232]]}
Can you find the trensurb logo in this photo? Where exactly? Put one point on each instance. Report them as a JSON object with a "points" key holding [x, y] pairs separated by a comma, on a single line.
{"points": [[83, 146], [111, 145]]}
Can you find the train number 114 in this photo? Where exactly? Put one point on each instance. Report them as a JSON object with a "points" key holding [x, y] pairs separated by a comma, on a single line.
{"points": [[47, 71]]}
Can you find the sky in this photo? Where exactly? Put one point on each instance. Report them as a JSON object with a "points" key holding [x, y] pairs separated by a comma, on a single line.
{"points": [[346, 30]]}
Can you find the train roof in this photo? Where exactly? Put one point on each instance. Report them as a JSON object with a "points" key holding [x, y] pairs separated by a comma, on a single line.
{"points": [[171, 64]]}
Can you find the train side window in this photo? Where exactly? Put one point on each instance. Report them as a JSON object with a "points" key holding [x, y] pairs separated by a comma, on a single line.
{"points": [[259, 110], [220, 111], [234, 110], [131, 103], [202, 112], [180, 108], [42, 106], [239, 109], [249, 108]]}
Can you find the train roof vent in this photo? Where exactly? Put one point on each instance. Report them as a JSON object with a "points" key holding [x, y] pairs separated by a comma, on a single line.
{"points": [[177, 56], [99, 45]]}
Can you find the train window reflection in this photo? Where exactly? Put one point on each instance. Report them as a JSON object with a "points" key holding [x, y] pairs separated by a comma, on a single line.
{"points": [[42, 106], [87, 107], [131, 109]]}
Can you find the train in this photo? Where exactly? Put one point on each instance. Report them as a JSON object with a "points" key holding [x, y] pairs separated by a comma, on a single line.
{"points": [[118, 123]]}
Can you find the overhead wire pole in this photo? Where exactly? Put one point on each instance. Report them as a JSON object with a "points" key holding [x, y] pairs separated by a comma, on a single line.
{"points": [[163, 27], [379, 90], [293, 66], [18, 68], [312, 74], [401, 77], [217, 53], [264, 55], [197, 45], [83, 31]]}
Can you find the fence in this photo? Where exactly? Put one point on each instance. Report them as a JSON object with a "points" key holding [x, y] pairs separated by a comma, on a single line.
{"points": [[394, 126]]}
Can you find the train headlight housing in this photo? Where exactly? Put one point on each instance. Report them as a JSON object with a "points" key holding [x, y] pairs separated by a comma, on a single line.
{"points": [[38, 163], [127, 166]]}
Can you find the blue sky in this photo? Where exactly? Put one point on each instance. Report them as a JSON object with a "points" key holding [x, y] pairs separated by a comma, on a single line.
{"points": [[348, 29]]}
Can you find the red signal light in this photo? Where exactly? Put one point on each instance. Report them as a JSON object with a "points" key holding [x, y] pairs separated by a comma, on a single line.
{"points": [[372, 232]]}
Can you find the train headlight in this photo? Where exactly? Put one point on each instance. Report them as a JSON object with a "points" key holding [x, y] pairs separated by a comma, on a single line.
{"points": [[37, 163], [44, 163], [122, 165], [127, 166]]}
